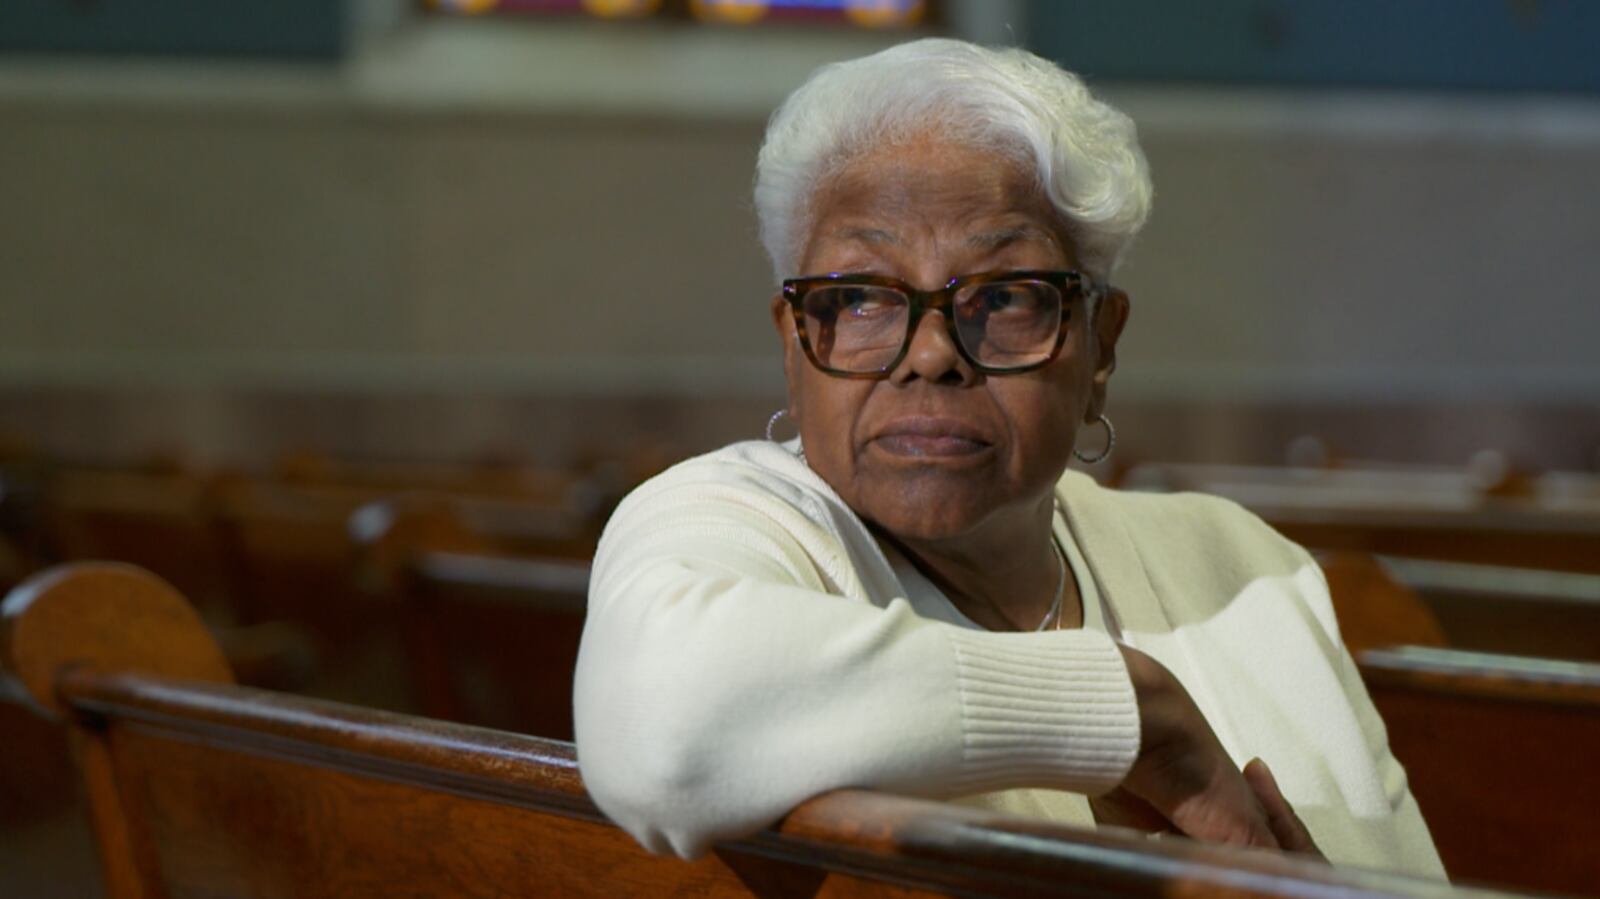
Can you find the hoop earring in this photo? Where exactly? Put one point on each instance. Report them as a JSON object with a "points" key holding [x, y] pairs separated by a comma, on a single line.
{"points": [[1111, 442], [773, 422]]}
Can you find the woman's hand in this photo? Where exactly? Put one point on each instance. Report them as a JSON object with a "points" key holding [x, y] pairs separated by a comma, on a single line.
{"points": [[1183, 778], [1286, 825]]}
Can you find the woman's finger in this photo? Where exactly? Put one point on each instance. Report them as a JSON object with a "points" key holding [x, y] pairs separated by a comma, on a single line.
{"points": [[1120, 808], [1291, 832]]}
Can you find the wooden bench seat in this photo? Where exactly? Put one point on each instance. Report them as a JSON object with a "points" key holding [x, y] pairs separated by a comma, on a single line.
{"points": [[199, 787]]}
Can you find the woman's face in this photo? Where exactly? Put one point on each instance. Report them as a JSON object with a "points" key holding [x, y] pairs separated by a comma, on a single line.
{"points": [[937, 450]]}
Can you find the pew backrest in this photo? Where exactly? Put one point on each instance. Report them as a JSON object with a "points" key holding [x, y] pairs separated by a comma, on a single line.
{"points": [[1373, 608], [1500, 754], [199, 787], [1515, 611], [159, 521], [491, 639], [1407, 511]]}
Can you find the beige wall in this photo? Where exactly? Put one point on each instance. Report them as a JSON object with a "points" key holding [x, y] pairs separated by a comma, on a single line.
{"points": [[287, 234]]}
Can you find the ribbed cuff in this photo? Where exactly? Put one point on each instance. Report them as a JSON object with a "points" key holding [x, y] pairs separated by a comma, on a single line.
{"points": [[1044, 710]]}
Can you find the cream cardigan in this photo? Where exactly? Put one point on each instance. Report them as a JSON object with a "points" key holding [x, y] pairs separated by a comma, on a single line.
{"points": [[748, 646]]}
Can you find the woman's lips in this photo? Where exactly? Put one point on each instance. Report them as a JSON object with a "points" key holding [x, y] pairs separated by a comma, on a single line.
{"points": [[930, 438]]}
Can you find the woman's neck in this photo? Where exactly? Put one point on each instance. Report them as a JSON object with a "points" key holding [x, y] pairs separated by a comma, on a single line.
{"points": [[1006, 576]]}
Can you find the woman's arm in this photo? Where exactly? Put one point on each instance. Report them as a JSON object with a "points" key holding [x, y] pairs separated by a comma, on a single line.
{"points": [[719, 684]]}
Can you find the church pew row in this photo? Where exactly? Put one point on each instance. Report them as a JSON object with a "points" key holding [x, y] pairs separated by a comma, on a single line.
{"points": [[199, 787], [1500, 752], [216, 535], [275, 551], [1510, 538], [1551, 522], [1516, 611], [1390, 601], [520, 619], [1498, 747], [491, 638]]}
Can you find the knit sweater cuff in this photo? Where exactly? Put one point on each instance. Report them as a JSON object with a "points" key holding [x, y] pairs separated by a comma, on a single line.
{"points": [[1044, 710]]}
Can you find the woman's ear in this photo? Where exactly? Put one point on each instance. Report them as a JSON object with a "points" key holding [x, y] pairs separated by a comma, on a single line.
{"points": [[783, 321], [1107, 324]]}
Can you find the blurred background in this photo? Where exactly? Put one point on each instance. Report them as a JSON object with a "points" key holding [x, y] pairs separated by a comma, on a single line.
{"points": [[281, 279], [520, 229]]}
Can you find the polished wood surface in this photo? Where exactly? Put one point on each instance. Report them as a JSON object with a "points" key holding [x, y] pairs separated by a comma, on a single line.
{"points": [[1501, 753], [1374, 610], [161, 521], [507, 632], [1551, 522], [203, 788], [1517, 611], [1391, 601], [107, 615], [492, 639]]}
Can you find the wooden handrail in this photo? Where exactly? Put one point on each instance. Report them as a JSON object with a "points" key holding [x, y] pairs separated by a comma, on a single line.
{"points": [[526, 579], [911, 842], [113, 650], [1502, 582], [1484, 675]]}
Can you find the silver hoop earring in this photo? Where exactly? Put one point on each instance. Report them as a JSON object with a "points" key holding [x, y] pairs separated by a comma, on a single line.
{"points": [[773, 422], [1111, 442]]}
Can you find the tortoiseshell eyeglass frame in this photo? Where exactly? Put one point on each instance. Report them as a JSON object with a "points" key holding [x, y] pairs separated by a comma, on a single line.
{"points": [[1071, 284]]}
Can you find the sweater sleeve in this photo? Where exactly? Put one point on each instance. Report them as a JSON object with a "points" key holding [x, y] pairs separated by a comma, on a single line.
{"points": [[719, 683]]}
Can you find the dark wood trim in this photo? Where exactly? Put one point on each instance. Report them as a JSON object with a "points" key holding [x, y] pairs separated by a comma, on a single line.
{"points": [[1483, 675], [911, 842], [555, 584]]}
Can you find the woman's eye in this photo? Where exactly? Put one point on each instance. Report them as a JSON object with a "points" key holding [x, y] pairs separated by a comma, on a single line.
{"points": [[999, 299], [1009, 298], [861, 302]]}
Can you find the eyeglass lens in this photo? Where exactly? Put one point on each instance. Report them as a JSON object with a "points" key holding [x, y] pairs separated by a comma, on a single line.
{"points": [[1001, 324]]}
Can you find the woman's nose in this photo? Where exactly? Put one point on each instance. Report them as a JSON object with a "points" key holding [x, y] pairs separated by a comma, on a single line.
{"points": [[933, 355]]}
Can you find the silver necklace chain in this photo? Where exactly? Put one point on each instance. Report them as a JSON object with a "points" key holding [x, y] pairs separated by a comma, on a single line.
{"points": [[1052, 616]]}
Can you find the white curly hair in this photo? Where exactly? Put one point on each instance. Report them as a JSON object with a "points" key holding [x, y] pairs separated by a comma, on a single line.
{"points": [[1085, 152]]}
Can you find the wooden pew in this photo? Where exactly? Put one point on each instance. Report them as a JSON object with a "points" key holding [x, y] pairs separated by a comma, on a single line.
{"points": [[199, 787], [518, 599], [1516, 611], [297, 556], [492, 638], [1392, 601], [1501, 754], [159, 520], [488, 480], [22, 532], [537, 511], [1374, 610], [1499, 748], [1416, 513]]}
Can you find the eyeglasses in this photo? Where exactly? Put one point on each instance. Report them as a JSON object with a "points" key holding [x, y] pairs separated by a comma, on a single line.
{"points": [[1002, 323]]}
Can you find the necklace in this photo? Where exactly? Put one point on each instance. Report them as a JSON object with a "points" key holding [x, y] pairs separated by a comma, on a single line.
{"points": [[1052, 617]]}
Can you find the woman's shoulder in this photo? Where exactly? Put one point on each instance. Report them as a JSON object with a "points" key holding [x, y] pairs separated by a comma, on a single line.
{"points": [[1195, 552], [759, 468], [757, 495], [755, 483], [1207, 528]]}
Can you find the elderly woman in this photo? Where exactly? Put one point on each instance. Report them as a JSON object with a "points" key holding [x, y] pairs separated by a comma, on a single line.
{"points": [[916, 595]]}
